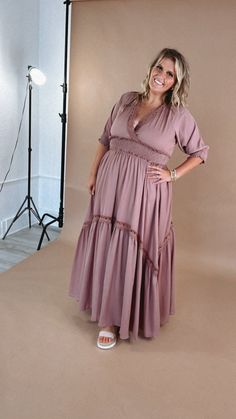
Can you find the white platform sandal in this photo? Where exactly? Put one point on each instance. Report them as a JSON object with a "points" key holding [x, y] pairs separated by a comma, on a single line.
{"points": [[107, 334]]}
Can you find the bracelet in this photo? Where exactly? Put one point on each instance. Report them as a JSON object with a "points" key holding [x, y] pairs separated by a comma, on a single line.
{"points": [[173, 175]]}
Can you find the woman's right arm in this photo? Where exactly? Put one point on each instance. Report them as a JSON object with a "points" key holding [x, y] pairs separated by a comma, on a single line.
{"points": [[103, 145], [101, 150]]}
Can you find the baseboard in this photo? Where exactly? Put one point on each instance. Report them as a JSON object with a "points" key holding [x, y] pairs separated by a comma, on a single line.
{"points": [[21, 223]]}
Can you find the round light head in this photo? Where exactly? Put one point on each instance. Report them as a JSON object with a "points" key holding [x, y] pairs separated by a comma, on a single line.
{"points": [[37, 76]]}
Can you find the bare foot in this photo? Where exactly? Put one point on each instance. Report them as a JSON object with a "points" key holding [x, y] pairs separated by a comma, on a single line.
{"points": [[103, 339]]}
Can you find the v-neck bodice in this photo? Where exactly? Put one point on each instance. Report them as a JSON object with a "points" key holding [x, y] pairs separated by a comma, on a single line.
{"points": [[138, 122], [159, 130], [135, 128]]}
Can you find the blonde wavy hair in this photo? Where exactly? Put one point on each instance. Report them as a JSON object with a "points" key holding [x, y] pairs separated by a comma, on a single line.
{"points": [[177, 96]]}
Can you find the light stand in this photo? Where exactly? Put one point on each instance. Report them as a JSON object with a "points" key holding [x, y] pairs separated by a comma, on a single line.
{"points": [[28, 201], [60, 216]]}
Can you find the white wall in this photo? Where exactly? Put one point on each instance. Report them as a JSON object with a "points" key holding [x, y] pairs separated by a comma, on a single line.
{"points": [[31, 32], [18, 48]]}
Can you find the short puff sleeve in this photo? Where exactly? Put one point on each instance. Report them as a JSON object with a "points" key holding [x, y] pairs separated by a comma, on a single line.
{"points": [[188, 137]]}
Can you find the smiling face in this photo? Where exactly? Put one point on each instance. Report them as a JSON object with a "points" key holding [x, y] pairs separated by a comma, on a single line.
{"points": [[162, 76]]}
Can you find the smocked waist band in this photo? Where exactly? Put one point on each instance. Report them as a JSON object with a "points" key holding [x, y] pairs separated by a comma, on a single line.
{"points": [[139, 150]]}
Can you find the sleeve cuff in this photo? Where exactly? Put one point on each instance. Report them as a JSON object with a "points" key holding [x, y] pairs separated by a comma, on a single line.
{"points": [[104, 140], [201, 153]]}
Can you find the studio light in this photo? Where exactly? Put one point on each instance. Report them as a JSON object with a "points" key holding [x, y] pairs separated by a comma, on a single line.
{"points": [[36, 75]]}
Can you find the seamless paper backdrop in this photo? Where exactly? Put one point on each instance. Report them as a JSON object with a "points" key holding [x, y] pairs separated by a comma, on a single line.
{"points": [[112, 44]]}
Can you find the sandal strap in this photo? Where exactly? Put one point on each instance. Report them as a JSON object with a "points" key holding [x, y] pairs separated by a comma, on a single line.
{"points": [[107, 334]]}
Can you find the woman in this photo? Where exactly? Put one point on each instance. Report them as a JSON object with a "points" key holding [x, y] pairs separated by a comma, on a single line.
{"points": [[123, 268]]}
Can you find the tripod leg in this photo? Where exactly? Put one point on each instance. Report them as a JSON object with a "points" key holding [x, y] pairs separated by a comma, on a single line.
{"points": [[38, 216], [48, 215], [18, 214], [35, 209], [41, 239], [41, 221], [35, 214], [29, 217], [44, 232]]}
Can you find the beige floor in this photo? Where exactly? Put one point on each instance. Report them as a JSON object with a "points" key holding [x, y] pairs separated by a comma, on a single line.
{"points": [[51, 368]]}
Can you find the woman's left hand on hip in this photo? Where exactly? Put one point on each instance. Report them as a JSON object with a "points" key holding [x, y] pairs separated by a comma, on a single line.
{"points": [[157, 174]]}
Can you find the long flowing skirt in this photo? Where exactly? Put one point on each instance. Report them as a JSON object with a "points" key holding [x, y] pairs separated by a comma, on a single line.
{"points": [[123, 270]]}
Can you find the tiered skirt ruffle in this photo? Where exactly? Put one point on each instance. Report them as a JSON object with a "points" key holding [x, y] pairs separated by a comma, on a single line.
{"points": [[120, 285]]}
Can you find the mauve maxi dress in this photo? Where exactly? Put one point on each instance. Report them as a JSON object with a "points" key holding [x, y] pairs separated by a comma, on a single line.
{"points": [[123, 268]]}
